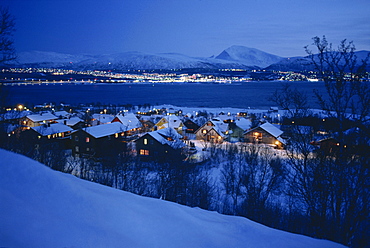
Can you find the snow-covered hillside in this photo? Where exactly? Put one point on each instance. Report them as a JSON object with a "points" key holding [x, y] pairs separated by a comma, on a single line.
{"points": [[44, 208], [305, 63], [248, 56], [124, 61]]}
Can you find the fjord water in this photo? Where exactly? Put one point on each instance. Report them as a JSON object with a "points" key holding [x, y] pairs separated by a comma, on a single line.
{"points": [[238, 95]]}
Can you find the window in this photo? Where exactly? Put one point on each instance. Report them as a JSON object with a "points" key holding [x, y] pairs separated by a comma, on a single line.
{"points": [[145, 141], [76, 138], [87, 139], [144, 152], [204, 131], [77, 149]]}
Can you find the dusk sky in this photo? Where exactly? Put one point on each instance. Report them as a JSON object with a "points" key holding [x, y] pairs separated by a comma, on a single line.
{"points": [[192, 27]]}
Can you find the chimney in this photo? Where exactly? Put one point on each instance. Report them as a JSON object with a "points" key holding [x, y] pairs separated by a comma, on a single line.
{"points": [[65, 122]]}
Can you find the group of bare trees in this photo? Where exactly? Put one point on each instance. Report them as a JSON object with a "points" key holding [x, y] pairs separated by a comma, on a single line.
{"points": [[330, 188]]}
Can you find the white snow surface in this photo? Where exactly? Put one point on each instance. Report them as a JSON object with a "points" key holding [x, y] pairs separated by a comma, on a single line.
{"points": [[44, 208], [52, 129], [248, 56]]}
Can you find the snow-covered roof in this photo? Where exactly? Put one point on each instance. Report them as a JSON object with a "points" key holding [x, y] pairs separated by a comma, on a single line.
{"points": [[103, 118], [129, 120], [243, 123], [42, 117], [172, 121], [271, 129], [219, 126], [62, 113], [105, 129], [168, 132], [71, 121], [52, 129]]}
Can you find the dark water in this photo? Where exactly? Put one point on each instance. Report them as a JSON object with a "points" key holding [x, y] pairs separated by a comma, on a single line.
{"points": [[250, 94]]}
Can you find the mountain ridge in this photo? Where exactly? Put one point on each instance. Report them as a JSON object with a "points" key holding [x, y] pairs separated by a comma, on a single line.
{"points": [[234, 57]]}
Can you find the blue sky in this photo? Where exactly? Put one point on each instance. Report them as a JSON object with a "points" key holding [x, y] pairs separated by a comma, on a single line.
{"points": [[192, 27]]}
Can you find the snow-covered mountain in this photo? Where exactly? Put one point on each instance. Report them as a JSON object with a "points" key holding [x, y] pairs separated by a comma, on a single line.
{"points": [[248, 56], [44, 208], [304, 63], [127, 60]]}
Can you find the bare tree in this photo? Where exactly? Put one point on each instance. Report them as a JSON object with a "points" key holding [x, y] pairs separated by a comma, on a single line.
{"points": [[7, 28]]}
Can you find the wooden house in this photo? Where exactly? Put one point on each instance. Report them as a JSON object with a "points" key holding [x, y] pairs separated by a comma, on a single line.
{"points": [[170, 121], [47, 133], [265, 134], [161, 145], [38, 119], [99, 140], [130, 122], [237, 129], [213, 130], [73, 122], [99, 119]]}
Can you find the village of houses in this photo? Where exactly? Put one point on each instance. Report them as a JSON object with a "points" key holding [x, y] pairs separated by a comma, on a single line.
{"points": [[152, 134]]}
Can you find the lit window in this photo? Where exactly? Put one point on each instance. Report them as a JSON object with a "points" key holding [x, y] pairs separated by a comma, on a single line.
{"points": [[87, 139], [145, 141], [144, 152], [204, 131]]}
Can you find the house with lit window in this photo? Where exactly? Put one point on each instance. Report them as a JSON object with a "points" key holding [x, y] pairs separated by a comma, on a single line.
{"points": [[99, 119], [170, 121], [237, 128], [73, 122], [38, 119], [214, 130], [265, 134], [47, 133], [161, 145], [99, 140], [131, 123]]}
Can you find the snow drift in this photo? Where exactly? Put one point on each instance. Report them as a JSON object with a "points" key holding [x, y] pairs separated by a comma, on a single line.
{"points": [[44, 208]]}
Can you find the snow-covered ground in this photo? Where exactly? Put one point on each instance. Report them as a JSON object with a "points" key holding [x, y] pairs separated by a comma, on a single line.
{"points": [[40, 207]]}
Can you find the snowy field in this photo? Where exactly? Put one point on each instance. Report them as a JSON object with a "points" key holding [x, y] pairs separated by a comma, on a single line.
{"points": [[43, 208]]}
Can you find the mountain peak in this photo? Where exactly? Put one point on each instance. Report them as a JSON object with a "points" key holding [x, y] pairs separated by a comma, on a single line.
{"points": [[248, 56]]}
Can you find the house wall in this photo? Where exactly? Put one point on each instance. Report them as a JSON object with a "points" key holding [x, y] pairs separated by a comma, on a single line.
{"points": [[263, 137], [148, 148], [207, 133]]}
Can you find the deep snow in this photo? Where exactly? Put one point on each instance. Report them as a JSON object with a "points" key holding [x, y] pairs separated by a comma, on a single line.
{"points": [[40, 207]]}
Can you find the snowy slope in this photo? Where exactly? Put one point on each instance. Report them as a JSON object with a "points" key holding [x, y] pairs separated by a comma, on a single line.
{"points": [[44, 208], [304, 63], [126, 60], [248, 56]]}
